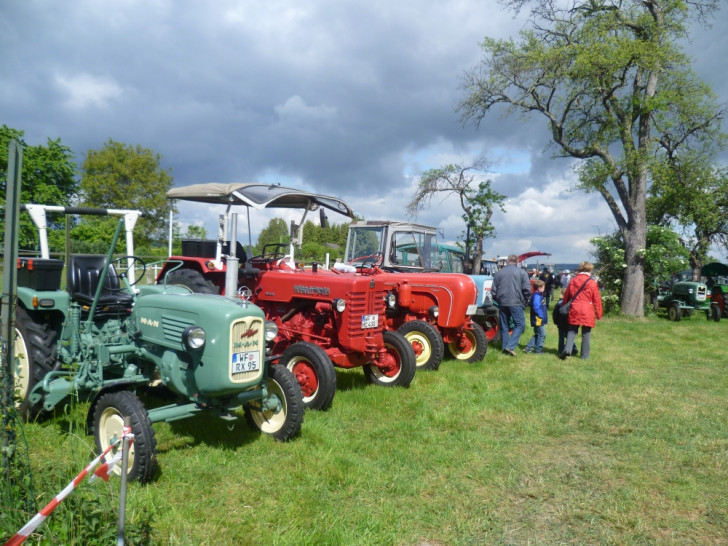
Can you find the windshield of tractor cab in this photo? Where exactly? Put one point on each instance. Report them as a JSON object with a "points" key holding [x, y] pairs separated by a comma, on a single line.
{"points": [[363, 242], [414, 249]]}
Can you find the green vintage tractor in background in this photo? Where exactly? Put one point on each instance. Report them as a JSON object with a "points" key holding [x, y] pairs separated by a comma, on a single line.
{"points": [[682, 296], [103, 339]]}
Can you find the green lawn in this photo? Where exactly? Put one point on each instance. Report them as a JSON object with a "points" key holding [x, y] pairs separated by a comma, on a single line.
{"points": [[630, 446]]}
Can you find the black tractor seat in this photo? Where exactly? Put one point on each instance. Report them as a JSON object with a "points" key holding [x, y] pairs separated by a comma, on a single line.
{"points": [[84, 273]]}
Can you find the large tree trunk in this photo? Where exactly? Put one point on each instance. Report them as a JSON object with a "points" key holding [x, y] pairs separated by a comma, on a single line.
{"points": [[477, 255], [633, 286]]}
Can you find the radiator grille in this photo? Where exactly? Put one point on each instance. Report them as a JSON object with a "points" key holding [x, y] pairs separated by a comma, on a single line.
{"points": [[247, 334]]}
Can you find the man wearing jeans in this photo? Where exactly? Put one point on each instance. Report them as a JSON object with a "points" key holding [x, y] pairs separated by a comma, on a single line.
{"points": [[511, 291]]}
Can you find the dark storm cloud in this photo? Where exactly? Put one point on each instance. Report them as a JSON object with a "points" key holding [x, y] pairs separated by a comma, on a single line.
{"points": [[349, 98]]}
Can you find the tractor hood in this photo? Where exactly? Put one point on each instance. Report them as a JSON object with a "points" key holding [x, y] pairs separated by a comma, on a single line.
{"points": [[259, 196]]}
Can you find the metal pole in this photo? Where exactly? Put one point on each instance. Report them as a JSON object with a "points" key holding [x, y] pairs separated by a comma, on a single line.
{"points": [[122, 487]]}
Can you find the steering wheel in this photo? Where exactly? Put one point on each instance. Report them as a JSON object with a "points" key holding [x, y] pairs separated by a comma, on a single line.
{"points": [[269, 256], [368, 263], [124, 264]]}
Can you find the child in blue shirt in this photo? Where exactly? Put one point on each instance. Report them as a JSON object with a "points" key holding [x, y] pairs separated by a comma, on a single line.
{"points": [[539, 318]]}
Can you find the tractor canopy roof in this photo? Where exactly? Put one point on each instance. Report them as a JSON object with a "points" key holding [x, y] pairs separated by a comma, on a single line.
{"points": [[258, 196], [715, 269]]}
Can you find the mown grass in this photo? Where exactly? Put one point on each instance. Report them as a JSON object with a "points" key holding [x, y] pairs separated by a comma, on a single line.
{"points": [[630, 446]]}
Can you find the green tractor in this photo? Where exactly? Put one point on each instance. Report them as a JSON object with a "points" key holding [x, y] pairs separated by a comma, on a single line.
{"points": [[682, 297], [103, 339]]}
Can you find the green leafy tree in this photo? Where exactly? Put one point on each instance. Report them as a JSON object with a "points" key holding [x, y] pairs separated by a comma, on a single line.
{"points": [[477, 199], [692, 196], [276, 232], [48, 178], [664, 255], [196, 232], [616, 92], [122, 176]]}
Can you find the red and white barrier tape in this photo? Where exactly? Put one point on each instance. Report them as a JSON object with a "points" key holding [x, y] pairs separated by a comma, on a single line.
{"points": [[102, 472]]}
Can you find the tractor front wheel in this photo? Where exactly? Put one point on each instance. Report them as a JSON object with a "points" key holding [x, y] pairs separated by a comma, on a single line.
{"points": [[714, 313], [314, 372], [35, 352], [109, 413], [426, 342], [470, 345], [674, 312], [281, 415], [395, 365]]}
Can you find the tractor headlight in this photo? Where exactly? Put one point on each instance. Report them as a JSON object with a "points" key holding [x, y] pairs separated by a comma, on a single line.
{"points": [[434, 311], [390, 300], [194, 337], [271, 330], [340, 304]]}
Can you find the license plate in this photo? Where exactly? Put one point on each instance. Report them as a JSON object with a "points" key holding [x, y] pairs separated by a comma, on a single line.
{"points": [[248, 361], [472, 308], [369, 321]]}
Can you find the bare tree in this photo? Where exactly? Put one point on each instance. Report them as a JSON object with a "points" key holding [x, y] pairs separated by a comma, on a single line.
{"points": [[477, 199]]}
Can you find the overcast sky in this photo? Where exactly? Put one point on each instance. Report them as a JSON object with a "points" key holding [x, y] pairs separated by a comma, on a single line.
{"points": [[349, 98]]}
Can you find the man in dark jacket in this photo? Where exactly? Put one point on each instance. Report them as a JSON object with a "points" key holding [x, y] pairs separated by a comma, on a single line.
{"points": [[511, 291]]}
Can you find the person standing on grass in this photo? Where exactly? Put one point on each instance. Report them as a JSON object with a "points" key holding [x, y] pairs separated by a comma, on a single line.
{"points": [[539, 318], [586, 306], [511, 290]]}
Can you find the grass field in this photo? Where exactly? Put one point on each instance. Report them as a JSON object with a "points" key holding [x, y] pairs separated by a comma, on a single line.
{"points": [[630, 446]]}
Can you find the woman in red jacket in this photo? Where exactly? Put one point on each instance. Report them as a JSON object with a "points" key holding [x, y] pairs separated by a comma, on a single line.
{"points": [[585, 308]]}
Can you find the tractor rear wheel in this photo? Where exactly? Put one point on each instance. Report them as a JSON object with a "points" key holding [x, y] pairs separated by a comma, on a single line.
{"points": [[109, 413], [470, 346], [192, 279], [426, 342], [314, 372], [674, 312], [35, 353], [284, 422], [395, 366]]}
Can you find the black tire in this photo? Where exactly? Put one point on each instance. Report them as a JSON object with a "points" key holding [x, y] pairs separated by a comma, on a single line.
{"points": [[109, 412], [714, 313], [192, 279], [396, 366], [313, 370], [674, 312], [426, 342], [285, 423], [472, 348], [35, 355]]}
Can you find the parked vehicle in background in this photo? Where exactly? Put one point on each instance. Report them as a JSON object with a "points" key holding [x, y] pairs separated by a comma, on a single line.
{"points": [[105, 338], [323, 319], [717, 282], [682, 297]]}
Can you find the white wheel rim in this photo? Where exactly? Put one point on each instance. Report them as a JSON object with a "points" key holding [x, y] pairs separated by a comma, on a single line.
{"points": [[418, 337], [22, 366], [111, 425], [267, 420], [464, 356], [381, 377], [292, 364]]}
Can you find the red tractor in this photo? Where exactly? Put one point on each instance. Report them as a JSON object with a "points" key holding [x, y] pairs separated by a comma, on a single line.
{"points": [[433, 310], [324, 320]]}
